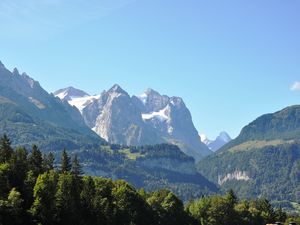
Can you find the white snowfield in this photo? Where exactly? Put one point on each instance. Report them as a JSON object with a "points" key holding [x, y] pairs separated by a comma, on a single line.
{"points": [[161, 115], [82, 102]]}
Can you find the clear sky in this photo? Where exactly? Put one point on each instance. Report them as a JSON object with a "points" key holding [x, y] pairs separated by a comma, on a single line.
{"points": [[230, 61]]}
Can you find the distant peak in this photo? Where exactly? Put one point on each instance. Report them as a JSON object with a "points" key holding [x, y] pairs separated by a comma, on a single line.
{"points": [[69, 93], [1, 65], [16, 72], [117, 88], [150, 91], [224, 136]]}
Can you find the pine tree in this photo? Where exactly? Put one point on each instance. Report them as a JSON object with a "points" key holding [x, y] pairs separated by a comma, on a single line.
{"points": [[36, 161], [6, 150], [48, 161], [65, 162], [76, 167]]}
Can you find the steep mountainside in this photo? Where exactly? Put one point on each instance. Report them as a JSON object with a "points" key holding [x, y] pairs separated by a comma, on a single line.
{"points": [[264, 160], [138, 120], [29, 114]]}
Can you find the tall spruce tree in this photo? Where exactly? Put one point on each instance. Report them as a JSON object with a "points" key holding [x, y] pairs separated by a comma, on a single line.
{"points": [[65, 162], [35, 160], [6, 150], [76, 167], [48, 161]]}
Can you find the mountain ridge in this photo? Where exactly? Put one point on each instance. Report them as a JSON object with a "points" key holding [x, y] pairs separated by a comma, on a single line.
{"points": [[159, 117], [264, 160]]}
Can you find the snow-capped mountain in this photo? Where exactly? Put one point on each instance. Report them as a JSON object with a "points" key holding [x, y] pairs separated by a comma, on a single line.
{"points": [[70, 93], [219, 142], [150, 118]]}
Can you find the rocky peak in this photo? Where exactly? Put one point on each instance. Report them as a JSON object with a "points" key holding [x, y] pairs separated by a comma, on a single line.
{"points": [[177, 101], [152, 92], [117, 89], [31, 82], [218, 143], [224, 136], [16, 72], [153, 101], [69, 93]]}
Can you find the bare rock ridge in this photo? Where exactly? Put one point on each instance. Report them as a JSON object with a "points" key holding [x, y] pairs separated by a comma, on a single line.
{"points": [[150, 118]]}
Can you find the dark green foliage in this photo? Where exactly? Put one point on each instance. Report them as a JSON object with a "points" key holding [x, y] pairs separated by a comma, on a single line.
{"points": [[138, 170], [168, 208], [65, 197], [35, 160], [48, 161], [76, 167], [65, 162], [43, 207], [274, 171], [6, 150], [284, 124], [224, 210]]}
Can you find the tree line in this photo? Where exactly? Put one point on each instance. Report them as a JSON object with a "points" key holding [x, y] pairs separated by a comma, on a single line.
{"points": [[34, 191]]}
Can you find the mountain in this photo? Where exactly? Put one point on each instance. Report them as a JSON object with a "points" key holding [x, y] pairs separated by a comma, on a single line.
{"points": [[28, 114], [219, 142], [150, 118], [69, 93], [264, 160]]}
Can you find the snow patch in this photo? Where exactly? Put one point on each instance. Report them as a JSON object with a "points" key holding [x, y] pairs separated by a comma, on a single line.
{"points": [[81, 103], [161, 115], [143, 97], [204, 139], [62, 95]]}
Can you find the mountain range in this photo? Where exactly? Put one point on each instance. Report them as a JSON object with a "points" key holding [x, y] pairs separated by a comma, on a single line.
{"points": [[29, 115], [150, 118], [150, 140]]}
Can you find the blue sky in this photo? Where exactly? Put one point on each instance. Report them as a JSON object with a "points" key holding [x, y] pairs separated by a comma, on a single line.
{"points": [[231, 61]]}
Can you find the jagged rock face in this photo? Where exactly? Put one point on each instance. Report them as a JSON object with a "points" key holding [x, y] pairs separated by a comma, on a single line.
{"points": [[138, 120], [173, 120], [117, 119], [153, 101]]}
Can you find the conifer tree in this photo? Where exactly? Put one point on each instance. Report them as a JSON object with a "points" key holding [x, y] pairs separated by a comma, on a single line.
{"points": [[36, 161], [48, 161], [76, 167], [65, 162], [6, 150]]}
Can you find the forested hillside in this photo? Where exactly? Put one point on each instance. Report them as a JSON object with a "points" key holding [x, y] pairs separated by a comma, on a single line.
{"points": [[264, 160], [35, 191]]}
